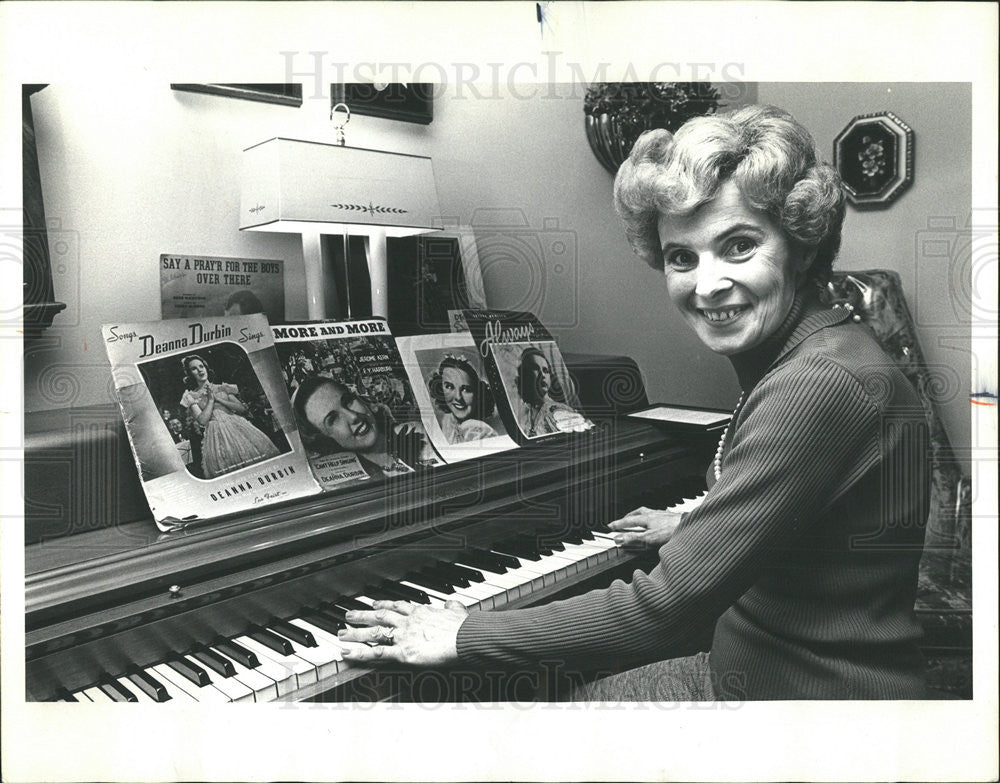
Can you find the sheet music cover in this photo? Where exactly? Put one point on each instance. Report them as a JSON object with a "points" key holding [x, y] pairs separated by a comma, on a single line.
{"points": [[207, 416], [522, 358], [353, 403], [458, 404]]}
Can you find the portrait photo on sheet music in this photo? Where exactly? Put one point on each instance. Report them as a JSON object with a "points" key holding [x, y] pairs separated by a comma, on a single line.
{"points": [[541, 393], [355, 363], [355, 410], [464, 402], [214, 409]]}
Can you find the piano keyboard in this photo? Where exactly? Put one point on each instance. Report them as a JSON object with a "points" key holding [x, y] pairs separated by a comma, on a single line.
{"points": [[285, 658]]}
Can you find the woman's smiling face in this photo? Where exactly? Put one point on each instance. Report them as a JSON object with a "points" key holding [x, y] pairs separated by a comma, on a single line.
{"points": [[197, 371], [341, 416], [458, 392], [730, 270]]}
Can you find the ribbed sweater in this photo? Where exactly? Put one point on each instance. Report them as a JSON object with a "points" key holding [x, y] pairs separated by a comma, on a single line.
{"points": [[803, 554]]}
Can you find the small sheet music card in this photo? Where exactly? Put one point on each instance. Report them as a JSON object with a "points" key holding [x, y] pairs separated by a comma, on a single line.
{"points": [[675, 416], [459, 406], [355, 408], [207, 416], [522, 359]]}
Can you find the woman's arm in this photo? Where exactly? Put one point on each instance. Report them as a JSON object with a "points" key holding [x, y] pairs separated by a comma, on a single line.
{"points": [[807, 431], [204, 416], [225, 395]]}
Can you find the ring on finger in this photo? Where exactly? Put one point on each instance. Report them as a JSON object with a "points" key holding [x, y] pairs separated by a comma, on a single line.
{"points": [[383, 634]]}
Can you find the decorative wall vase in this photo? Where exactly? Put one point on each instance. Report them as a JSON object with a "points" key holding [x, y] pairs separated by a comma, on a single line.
{"points": [[874, 155], [617, 113]]}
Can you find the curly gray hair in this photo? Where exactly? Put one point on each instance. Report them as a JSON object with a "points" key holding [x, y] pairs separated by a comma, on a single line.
{"points": [[765, 151]]}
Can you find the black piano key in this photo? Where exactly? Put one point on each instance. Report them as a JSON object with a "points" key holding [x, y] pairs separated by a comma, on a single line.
{"points": [[191, 671], [565, 536], [64, 695], [322, 620], [335, 612], [116, 690], [445, 575], [237, 652], [494, 561], [351, 604], [529, 544], [460, 570], [214, 661], [431, 581], [392, 591], [551, 535], [271, 640], [515, 549], [148, 685], [293, 632]]}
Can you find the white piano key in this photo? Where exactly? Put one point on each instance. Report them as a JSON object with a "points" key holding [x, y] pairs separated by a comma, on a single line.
{"points": [[283, 677], [568, 565], [486, 588], [328, 638], [483, 595], [141, 698], [323, 656], [263, 687], [466, 600], [543, 567], [587, 555], [204, 694], [528, 580], [175, 693], [83, 697], [303, 671], [510, 583], [233, 688], [95, 694]]}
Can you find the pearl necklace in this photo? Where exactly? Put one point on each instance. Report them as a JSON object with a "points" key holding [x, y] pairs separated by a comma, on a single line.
{"points": [[717, 462]]}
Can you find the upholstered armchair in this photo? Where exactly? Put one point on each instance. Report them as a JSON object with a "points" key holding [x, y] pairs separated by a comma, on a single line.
{"points": [[944, 598]]}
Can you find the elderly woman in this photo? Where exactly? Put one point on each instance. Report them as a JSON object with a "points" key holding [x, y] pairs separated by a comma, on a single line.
{"points": [[804, 553]]}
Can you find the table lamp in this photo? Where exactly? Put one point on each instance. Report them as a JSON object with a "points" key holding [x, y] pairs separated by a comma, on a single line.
{"points": [[312, 188]]}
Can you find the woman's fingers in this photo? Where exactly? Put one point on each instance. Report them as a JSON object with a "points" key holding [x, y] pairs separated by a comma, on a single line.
{"points": [[400, 607], [637, 540], [375, 634], [384, 615], [427, 636], [381, 652], [625, 523]]}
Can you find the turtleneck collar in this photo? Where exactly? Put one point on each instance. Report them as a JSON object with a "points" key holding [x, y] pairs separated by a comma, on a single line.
{"points": [[806, 315]]}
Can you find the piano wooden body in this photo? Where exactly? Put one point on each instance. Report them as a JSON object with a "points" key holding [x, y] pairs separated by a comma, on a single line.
{"points": [[107, 595]]}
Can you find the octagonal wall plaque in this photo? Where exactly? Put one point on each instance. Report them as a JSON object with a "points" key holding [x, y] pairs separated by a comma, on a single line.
{"points": [[874, 155]]}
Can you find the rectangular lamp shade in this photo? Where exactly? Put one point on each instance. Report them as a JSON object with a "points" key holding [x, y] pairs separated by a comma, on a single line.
{"points": [[305, 187]]}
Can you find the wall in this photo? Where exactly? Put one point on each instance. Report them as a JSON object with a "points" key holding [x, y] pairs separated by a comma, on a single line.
{"points": [[128, 180], [907, 236]]}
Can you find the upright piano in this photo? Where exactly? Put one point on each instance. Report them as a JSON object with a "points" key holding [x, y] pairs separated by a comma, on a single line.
{"points": [[246, 608]]}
